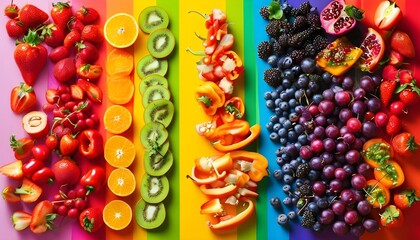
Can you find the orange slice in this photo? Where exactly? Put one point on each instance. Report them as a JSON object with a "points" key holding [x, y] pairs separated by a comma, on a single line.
{"points": [[119, 63], [119, 151], [121, 182], [121, 30], [117, 119], [117, 214], [120, 90]]}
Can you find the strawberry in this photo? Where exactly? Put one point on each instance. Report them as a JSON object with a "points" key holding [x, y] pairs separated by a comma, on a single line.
{"points": [[87, 52], [393, 126], [53, 35], [409, 97], [93, 34], [61, 13], [404, 144], [12, 170], [9, 194], [65, 70], [42, 217], [21, 220], [87, 15], [15, 28], [402, 43], [30, 57], [58, 53], [71, 39], [11, 10], [386, 91], [405, 76], [389, 73], [29, 192], [395, 58], [76, 92], [76, 24], [32, 16]]}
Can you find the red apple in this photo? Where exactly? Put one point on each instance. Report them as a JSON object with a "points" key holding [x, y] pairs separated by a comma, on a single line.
{"points": [[35, 123], [387, 15]]}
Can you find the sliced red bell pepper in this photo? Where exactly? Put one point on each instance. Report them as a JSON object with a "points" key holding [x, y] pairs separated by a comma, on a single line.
{"points": [[231, 63], [91, 143]]}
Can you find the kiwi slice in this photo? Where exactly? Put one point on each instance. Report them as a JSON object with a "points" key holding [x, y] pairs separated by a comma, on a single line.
{"points": [[161, 110], [154, 189], [153, 135], [152, 80], [156, 164], [150, 65], [148, 215], [161, 43], [152, 18], [154, 93]]}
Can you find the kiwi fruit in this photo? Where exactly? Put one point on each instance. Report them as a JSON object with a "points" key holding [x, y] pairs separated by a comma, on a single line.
{"points": [[154, 93], [150, 65], [154, 189], [152, 80], [152, 18], [161, 110], [161, 43], [156, 164], [148, 215], [153, 135]]}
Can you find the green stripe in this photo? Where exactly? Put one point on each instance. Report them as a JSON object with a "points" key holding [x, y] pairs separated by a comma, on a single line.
{"points": [[171, 227], [251, 86]]}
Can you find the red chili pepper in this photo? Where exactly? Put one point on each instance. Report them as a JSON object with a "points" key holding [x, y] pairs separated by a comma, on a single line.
{"points": [[94, 179], [43, 176], [91, 143]]}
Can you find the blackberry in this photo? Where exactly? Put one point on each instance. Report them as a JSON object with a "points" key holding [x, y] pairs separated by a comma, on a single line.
{"points": [[272, 77], [313, 20], [294, 12], [302, 170], [308, 219], [265, 49], [297, 55], [273, 28], [304, 8], [265, 12], [310, 49], [315, 77], [305, 190], [300, 22], [320, 42], [297, 40], [277, 48], [283, 39]]}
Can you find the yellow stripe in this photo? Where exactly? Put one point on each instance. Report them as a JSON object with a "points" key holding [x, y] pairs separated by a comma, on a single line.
{"points": [[193, 225]]}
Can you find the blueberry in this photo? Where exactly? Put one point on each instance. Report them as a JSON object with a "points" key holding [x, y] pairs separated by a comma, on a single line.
{"points": [[292, 215], [303, 139], [289, 74], [277, 127], [269, 126], [267, 95], [282, 219], [274, 119], [287, 201], [278, 174], [283, 141], [282, 132], [284, 96], [292, 136], [274, 95], [279, 88], [280, 161], [275, 202], [286, 188], [274, 137], [272, 60], [317, 227], [287, 168], [286, 83], [299, 129], [322, 203], [287, 124], [289, 179], [278, 111], [308, 65], [270, 104], [313, 207]]}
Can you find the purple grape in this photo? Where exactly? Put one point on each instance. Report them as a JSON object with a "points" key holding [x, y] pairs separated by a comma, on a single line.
{"points": [[358, 107], [320, 120], [371, 225], [340, 174], [340, 228], [359, 93], [316, 163], [352, 156], [351, 217], [332, 131], [374, 104], [341, 147], [357, 144], [338, 207], [345, 114], [348, 82], [319, 188], [364, 207], [347, 196], [369, 129], [367, 83], [329, 145], [328, 158], [348, 138], [306, 152], [364, 169], [328, 171], [326, 107], [319, 132], [342, 98], [336, 186], [327, 216], [377, 80], [357, 230], [358, 181], [328, 94], [317, 146]]}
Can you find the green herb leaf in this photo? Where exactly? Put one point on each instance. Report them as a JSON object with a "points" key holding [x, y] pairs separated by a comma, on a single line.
{"points": [[275, 10]]}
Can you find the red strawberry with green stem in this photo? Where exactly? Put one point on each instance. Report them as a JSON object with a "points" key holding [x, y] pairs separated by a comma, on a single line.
{"points": [[15, 28], [12, 170], [32, 16], [53, 35], [87, 15], [404, 144], [11, 10], [29, 192], [61, 13], [386, 90], [30, 57], [389, 73], [43, 217]]}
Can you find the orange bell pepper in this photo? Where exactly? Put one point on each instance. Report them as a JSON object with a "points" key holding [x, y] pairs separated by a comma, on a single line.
{"points": [[216, 164], [389, 174], [377, 151], [226, 146], [377, 194], [252, 163], [210, 97], [231, 63], [220, 192], [234, 108], [200, 177], [227, 222]]}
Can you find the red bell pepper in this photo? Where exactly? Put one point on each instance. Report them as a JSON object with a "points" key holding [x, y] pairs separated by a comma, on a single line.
{"points": [[91, 143], [94, 179], [232, 64]]}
